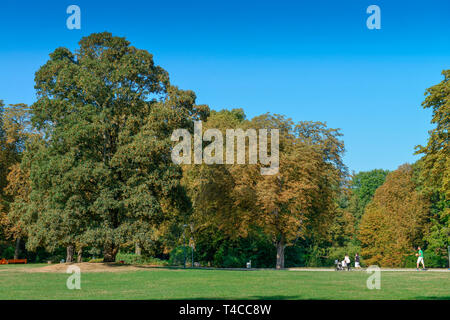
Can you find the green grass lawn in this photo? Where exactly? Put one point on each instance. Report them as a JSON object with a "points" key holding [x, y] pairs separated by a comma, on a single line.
{"points": [[223, 284]]}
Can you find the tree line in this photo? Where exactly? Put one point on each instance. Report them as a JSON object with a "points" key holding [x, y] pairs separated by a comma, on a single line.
{"points": [[87, 169]]}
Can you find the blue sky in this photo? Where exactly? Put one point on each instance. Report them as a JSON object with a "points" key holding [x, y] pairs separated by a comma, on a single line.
{"points": [[310, 60]]}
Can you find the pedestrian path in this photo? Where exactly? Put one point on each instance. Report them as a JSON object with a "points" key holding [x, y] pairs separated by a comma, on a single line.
{"points": [[382, 269]]}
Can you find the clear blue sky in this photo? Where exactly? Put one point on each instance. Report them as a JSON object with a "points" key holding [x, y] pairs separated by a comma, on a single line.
{"points": [[310, 60]]}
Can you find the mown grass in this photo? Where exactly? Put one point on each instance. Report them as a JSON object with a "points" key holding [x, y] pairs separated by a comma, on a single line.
{"points": [[223, 284]]}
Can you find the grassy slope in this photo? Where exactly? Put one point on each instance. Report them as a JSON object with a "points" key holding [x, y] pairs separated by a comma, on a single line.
{"points": [[222, 284]]}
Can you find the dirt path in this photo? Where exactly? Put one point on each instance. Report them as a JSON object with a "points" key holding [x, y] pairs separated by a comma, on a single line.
{"points": [[382, 269], [84, 267], [115, 267]]}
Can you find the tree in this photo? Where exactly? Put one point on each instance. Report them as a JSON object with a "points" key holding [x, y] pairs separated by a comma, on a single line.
{"points": [[17, 131], [363, 186], [214, 216], [436, 160], [435, 164], [102, 176], [395, 221], [299, 200], [291, 204], [3, 173]]}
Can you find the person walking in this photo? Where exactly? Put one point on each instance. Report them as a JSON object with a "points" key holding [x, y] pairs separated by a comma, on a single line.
{"points": [[419, 256], [347, 261], [357, 266]]}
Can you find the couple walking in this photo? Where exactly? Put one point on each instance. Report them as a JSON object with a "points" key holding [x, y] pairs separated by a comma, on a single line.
{"points": [[346, 262]]}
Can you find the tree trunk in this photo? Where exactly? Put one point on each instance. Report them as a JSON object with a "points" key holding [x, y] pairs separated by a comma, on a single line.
{"points": [[110, 252], [69, 253], [137, 249], [79, 255], [280, 253], [17, 250]]}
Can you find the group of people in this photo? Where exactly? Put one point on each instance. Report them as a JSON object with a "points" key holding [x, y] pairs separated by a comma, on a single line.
{"points": [[346, 263]]}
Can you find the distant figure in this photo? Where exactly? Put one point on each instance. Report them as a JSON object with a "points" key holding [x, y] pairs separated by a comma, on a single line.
{"points": [[357, 261], [420, 258], [347, 261]]}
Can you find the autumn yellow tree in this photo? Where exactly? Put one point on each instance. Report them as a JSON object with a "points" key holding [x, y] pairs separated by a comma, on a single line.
{"points": [[294, 202], [16, 128], [395, 221]]}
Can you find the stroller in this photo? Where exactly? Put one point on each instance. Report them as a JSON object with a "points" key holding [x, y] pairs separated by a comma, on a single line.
{"points": [[341, 265], [338, 265]]}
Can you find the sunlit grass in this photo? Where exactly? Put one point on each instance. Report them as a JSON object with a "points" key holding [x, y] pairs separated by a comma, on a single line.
{"points": [[223, 284]]}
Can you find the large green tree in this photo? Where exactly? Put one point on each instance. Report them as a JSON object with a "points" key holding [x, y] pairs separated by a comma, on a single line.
{"points": [[103, 176], [363, 186], [435, 164]]}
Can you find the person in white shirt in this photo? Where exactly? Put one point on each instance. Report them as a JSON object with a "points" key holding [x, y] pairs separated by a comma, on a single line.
{"points": [[347, 261]]}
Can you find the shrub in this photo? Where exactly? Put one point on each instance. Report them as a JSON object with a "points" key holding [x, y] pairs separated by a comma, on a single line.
{"points": [[432, 260], [409, 261], [177, 255], [7, 252], [131, 258], [338, 253]]}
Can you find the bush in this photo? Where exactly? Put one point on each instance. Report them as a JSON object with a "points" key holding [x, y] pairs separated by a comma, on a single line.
{"points": [[410, 261], [294, 256], [338, 253], [7, 252], [217, 250], [41, 255], [131, 258], [315, 256], [431, 259], [177, 255], [434, 260], [234, 259], [53, 259]]}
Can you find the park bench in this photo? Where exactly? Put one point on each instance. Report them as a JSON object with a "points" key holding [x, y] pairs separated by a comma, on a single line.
{"points": [[13, 261]]}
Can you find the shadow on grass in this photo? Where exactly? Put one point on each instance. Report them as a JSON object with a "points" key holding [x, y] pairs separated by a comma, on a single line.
{"points": [[277, 297], [198, 268], [433, 298], [287, 297]]}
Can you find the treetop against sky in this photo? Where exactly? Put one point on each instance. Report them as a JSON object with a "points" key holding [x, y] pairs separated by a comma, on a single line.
{"points": [[309, 60]]}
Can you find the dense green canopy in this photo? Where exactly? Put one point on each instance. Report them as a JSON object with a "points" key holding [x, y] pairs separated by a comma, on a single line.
{"points": [[88, 167], [102, 175]]}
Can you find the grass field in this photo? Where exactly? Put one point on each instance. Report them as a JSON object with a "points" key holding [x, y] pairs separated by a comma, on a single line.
{"points": [[160, 283]]}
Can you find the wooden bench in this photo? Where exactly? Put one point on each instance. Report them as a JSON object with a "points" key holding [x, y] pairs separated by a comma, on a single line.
{"points": [[13, 261]]}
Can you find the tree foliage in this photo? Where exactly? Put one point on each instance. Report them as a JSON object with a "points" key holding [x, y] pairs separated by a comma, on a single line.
{"points": [[435, 164], [102, 176], [287, 206], [88, 165], [395, 221], [363, 186]]}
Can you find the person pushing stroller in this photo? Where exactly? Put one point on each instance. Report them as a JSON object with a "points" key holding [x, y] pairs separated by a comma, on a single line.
{"points": [[344, 264]]}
